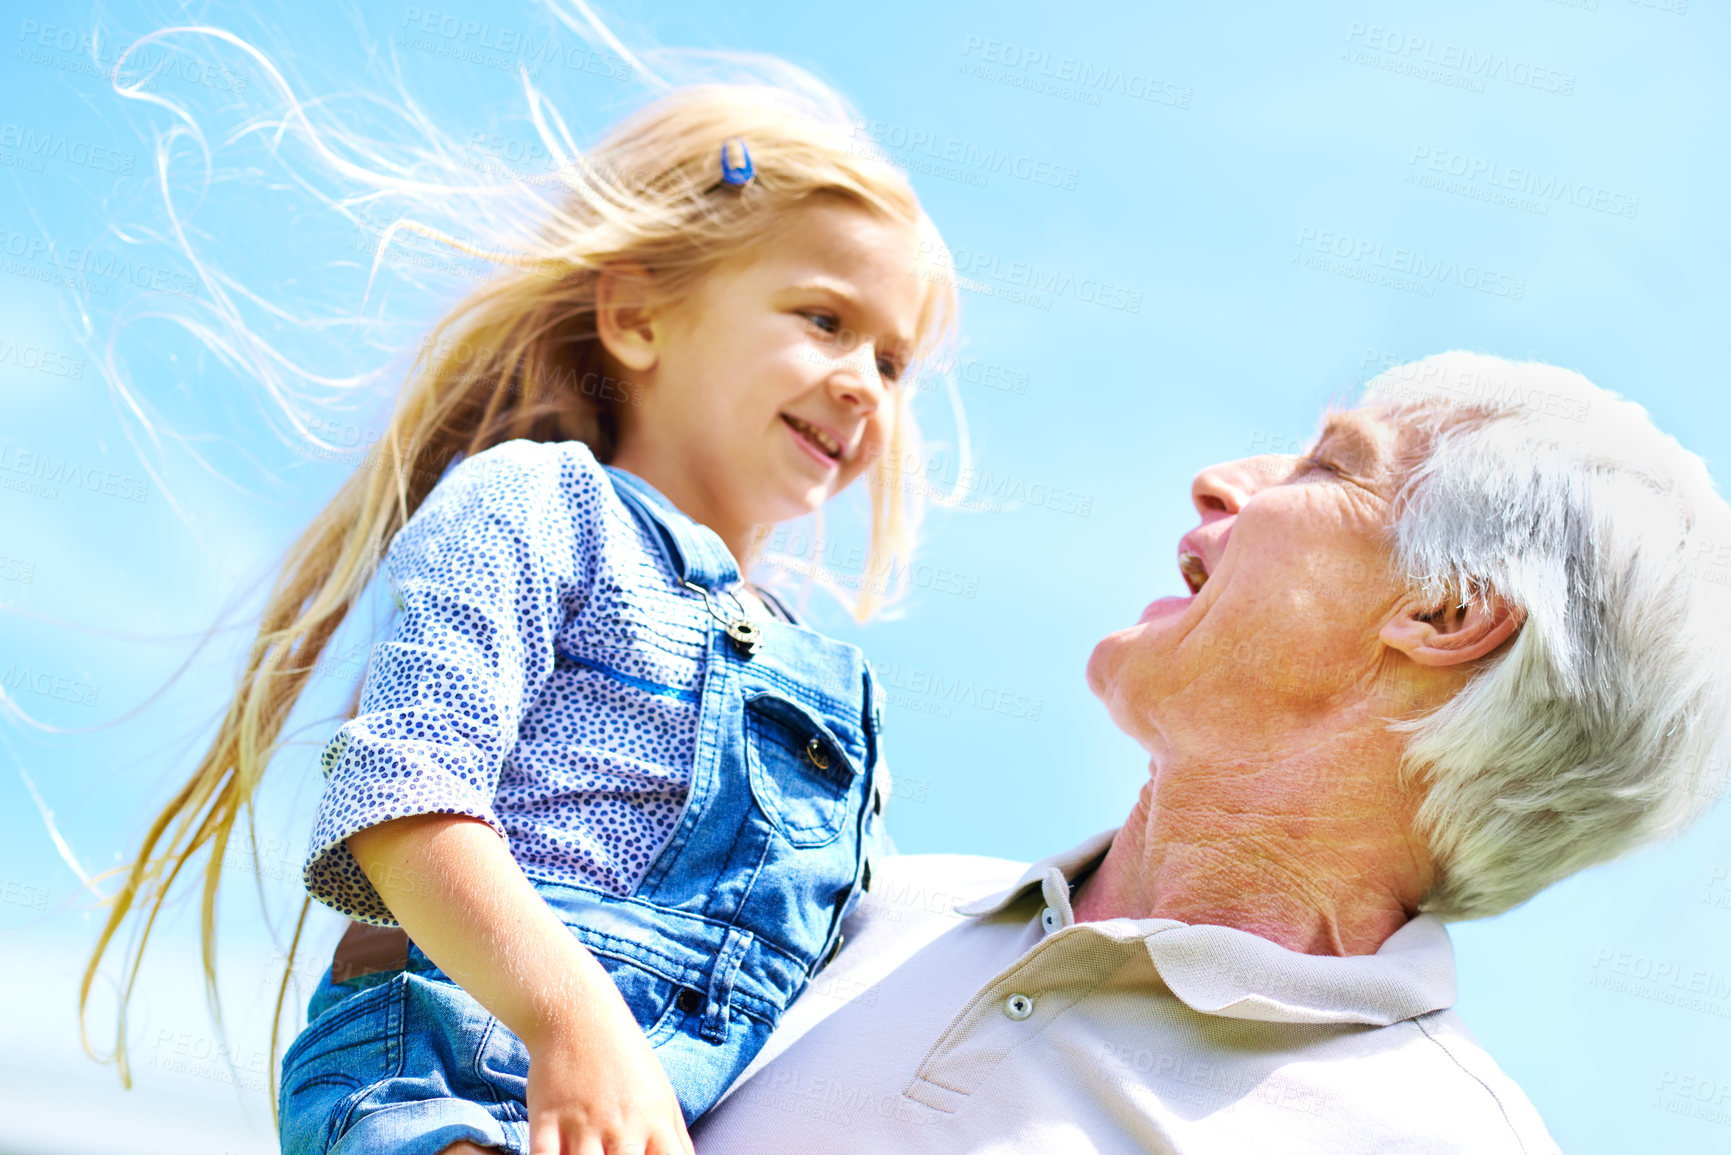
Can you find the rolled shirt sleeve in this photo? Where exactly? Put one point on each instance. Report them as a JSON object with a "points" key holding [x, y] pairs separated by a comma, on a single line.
{"points": [[484, 575]]}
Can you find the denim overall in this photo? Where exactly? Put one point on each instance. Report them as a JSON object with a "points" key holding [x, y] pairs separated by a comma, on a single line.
{"points": [[741, 907]]}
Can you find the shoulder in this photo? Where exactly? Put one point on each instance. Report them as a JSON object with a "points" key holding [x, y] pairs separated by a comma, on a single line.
{"points": [[517, 498], [1425, 1083], [913, 899], [1479, 1083], [528, 467], [535, 487], [936, 883]]}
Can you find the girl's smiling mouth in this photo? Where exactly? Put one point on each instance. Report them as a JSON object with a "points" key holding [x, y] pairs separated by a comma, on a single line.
{"points": [[815, 440]]}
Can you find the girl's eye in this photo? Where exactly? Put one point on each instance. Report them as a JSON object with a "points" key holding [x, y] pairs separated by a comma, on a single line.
{"points": [[889, 368]]}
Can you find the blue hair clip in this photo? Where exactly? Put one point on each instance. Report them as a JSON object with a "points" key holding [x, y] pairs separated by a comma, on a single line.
{"points": [[736, 167]]}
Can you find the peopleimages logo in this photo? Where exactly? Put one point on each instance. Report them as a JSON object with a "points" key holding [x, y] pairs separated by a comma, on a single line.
{"points": [[1661, 980], [43, 146], [1456, 65], [957, 691], [1398, 378], [992, 275], [972, 159], [41, 359], [1369, 259], [17, 679], [85, 53], [77, 265], [18, 894], [1521, 180], [1068, 77], [479, 42], [42, 467]]}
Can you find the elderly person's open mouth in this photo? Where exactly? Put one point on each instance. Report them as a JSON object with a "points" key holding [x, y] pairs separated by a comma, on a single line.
{"points": [[1193, 568]]}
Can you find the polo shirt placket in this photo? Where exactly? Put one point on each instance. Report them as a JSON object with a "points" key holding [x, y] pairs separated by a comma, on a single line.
{"points": [[1121, 1035]]}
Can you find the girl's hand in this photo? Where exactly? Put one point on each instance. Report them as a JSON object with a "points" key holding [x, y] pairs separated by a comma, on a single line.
{"points": [[595, 1085], [603, 1092]]}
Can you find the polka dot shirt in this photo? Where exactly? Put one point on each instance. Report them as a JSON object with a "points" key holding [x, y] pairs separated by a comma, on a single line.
{"points": [[543, 675]]}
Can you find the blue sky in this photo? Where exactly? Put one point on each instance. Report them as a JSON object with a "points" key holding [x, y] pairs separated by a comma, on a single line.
{"points": [[1231, 216]]}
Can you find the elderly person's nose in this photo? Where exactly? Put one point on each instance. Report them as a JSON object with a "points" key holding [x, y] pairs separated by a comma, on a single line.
{"points": [[1221, 490]]}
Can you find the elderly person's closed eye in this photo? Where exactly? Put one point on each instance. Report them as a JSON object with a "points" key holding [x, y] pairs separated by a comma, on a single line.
{"points": [[1454, 652]]}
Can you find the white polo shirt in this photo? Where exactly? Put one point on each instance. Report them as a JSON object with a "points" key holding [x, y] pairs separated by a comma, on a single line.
{"points": [[1006, 1026]]}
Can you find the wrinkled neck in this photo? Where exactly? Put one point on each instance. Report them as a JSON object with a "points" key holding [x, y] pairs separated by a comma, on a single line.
{"points": [[1306, 842]]}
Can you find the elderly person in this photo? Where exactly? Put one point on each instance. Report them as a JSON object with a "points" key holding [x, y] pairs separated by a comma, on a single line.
{"points": [[1453, 654]]}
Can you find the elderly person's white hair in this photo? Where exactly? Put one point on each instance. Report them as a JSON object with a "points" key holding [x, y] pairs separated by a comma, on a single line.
{"points": [[1599, 727]]}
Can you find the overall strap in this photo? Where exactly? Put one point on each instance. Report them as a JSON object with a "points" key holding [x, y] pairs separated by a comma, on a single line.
{"points": [[693, 551], [775, 604]]}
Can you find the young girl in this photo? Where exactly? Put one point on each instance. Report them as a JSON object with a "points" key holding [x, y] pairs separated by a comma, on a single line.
{"points": [[618, 798]]}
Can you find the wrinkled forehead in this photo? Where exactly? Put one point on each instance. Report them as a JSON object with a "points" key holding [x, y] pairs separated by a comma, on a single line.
{"points": [[1390, 438], [1373, 430]]}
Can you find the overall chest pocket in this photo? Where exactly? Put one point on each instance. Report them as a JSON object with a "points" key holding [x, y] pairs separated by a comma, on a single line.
{"points": [[803, 775]]}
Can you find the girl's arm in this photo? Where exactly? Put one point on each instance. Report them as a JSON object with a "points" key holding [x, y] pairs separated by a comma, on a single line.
{"points": [[485, 573], [595, 1085]]}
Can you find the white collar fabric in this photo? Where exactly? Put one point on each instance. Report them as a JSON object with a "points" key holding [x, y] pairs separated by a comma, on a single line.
{"points": [[1220, 970]]}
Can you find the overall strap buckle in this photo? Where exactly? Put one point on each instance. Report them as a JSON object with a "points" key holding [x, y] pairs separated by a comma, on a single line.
{"points": [[745, 634], [696, 555]]}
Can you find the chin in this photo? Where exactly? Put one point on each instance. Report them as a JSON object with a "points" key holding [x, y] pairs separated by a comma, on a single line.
{"points": [[788, 504], [1103, 663], [1119, 675]]}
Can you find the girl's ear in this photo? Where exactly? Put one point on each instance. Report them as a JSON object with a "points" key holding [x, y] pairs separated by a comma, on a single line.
{"points": [[623, 319], [1449, 634]]}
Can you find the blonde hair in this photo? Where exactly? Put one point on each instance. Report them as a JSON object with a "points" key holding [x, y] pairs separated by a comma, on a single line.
{"points": [[518, 358]]}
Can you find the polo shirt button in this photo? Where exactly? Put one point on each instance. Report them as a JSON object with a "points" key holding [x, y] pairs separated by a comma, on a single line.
{"points": [[1018, 1007], [1049, 919]]}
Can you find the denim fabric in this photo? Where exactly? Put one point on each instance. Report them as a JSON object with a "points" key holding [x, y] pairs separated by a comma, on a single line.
{"points": [[741, 906]]}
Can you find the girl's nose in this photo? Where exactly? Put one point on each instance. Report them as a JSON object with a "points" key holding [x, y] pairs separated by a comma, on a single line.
{"points": [[856, 381]]}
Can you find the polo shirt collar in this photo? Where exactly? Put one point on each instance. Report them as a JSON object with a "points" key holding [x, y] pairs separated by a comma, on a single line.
{"points": [[1220, 970]]}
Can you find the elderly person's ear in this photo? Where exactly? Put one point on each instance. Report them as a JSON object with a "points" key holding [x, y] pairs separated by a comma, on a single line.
{"points": [[1448, 633]]}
